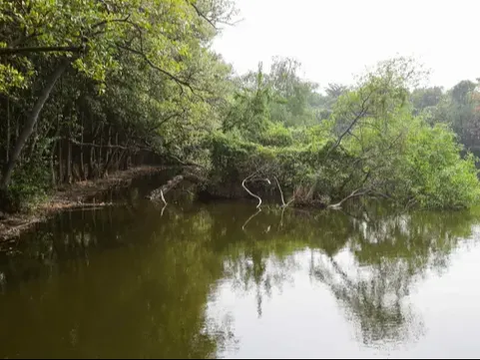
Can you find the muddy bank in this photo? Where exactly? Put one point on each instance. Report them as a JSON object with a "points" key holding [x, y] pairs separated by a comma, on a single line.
{"points": [[72, 196]]}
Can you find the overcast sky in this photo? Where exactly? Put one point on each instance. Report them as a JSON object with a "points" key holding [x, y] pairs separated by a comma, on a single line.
{"points": [[335, 39]]}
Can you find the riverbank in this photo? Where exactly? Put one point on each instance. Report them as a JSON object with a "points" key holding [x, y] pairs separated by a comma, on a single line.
{"points": [[69, 197]]}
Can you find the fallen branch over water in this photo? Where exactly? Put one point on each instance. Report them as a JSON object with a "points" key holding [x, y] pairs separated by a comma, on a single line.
{"points": [[163, 198], [250, 177], [355, 193], [159, 193], [284, 205], [252, 194], [281, 192], [162, 190], [80, 205]]}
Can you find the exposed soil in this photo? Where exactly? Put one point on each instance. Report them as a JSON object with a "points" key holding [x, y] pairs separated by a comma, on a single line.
{"points": [[71, 196]]}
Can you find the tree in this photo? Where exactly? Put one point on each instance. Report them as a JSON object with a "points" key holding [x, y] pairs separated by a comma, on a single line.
{"points": [[426, 98], [90, 36]]}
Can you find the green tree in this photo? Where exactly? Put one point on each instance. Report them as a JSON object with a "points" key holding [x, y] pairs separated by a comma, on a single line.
{"points": [[90, 36]]}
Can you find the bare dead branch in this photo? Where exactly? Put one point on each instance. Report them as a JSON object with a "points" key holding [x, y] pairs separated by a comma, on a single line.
{"points": [[355, 193], [250, 193], [163, 197], [284, 205], [159, 193], [281, 192], [230, 23]]}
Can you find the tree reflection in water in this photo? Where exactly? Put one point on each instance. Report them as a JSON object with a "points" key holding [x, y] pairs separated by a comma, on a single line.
{"points": [[133, 281], [369, 261]]}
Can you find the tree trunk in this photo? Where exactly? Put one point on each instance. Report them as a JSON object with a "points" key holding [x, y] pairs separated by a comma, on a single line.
{"points": [[82, 166], [30, 123], [60, 162], [90, 162], [34, 142], [99, 163], [118, 164], [8, 129], [59, 156], [108, 153], [69, 176], [52, 167], [128, 163], [110, 163], [118, 155], [69, 160]]}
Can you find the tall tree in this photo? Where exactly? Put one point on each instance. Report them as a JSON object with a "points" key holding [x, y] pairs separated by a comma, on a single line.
{"points": [[91, 35]]}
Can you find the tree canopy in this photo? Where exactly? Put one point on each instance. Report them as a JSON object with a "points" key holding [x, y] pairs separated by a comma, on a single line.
{"points": [[92, 86]]}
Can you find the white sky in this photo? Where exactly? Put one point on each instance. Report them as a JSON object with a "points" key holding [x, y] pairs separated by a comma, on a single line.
{"points": [[335, 39]]}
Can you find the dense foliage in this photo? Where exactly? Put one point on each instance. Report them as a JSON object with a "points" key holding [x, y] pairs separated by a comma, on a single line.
{"points": [[367, 140], [90, 87]]}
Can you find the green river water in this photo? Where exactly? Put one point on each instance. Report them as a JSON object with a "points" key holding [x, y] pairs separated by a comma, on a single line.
{"points": [[209, 281]]}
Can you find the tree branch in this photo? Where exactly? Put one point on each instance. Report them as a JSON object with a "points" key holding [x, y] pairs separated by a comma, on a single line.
{"points": [[186, 163], [363, 111], [171, 116], [14, 51], [284, 205], [108, 146], [145, 57], [23, 38], [252, 194], [355, 193], [199, 13], [162, 190], [280, 189], [104, 22]]}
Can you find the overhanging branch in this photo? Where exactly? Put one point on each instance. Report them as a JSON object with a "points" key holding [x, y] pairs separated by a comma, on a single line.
{"points": [[359, 115], [199, 13], [14, 51], [149, 62], [104, 22]]}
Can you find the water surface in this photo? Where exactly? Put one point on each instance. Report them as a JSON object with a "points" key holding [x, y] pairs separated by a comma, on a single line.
{"points": [[221, 280]]}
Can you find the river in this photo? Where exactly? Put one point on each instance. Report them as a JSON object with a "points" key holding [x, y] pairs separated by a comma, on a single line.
{"points": [[221, 280]]}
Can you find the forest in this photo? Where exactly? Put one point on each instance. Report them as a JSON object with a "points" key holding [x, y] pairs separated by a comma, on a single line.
{"points": [[90, 87]]}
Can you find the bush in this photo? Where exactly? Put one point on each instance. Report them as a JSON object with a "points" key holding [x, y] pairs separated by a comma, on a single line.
{"points": [[277, 135], [440, 178], [29, 186]]}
